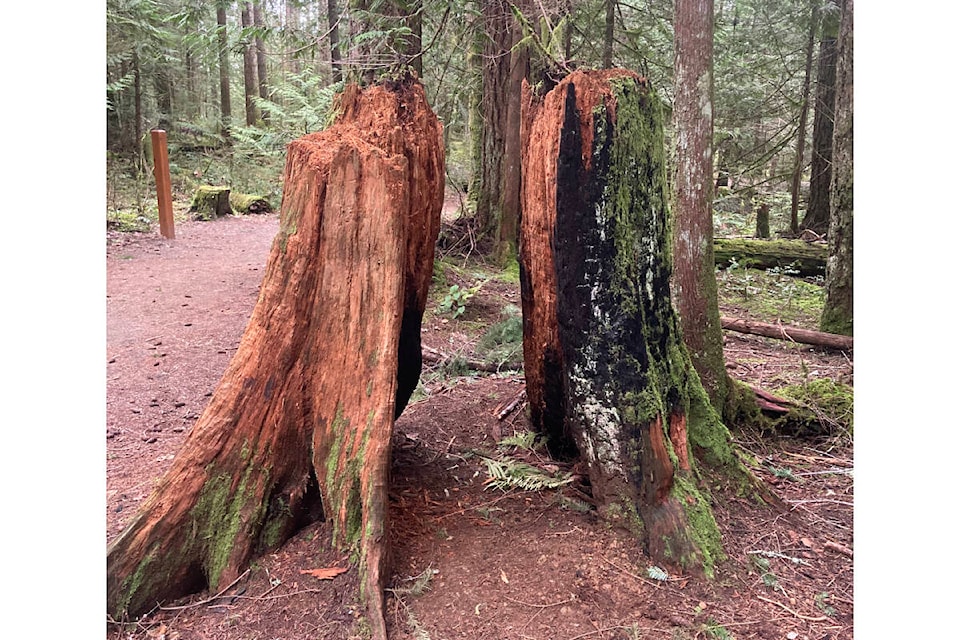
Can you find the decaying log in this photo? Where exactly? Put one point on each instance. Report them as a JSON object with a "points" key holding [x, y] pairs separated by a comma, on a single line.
{"points": [[783, 332], [304, 413], [243, 203], [804, 258], [607, 373]]}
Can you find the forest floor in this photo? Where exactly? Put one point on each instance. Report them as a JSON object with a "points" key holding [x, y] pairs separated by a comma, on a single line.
{"points": [[469, 560]]}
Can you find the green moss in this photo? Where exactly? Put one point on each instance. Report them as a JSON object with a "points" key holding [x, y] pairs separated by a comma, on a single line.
{"points": [[242, 203], [826, 406], [218, 517], [132, 584], [702, 529]]}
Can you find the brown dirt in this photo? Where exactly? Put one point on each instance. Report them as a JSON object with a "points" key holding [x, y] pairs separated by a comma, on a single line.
{"points": [[525, 565]]}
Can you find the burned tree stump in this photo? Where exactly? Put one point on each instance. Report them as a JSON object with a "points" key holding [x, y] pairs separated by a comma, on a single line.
{"points": [[607, 374], [306, 407]]}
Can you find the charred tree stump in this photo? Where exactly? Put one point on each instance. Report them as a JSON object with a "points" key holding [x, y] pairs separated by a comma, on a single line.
{"points": [[607, 373], [330, 357]]}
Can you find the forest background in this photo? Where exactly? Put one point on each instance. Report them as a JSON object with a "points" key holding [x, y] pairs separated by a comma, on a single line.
{"points": [[905, 143]]}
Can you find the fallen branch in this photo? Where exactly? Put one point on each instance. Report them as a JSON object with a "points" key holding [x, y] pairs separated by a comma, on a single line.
{"points": [[507, 410], [839, 548], [433, 356], [794, 334], [789, 610]]}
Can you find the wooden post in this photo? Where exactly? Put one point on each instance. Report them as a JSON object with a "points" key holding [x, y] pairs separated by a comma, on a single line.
{"points": [[161, 171]]}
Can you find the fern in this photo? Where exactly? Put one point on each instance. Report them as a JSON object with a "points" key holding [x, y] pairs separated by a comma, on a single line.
{"points": [[656, 573], [510, 474], [525, 440]]}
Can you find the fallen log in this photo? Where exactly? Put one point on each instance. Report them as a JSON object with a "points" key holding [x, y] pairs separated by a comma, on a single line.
{"points": [[783, 332], [432, 356], [806, 258]]}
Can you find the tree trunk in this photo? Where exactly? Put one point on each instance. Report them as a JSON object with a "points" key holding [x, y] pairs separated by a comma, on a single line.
{"points": [[138, 108], [210, 202], [507, 233], [607, 374], [333, 22], [610, 6], [694, 276], [261, 49], [838, 307], [497, 22], [817, 217], [802, 128], [224, 60], [328, 360], [250, 87], [413, 18]]}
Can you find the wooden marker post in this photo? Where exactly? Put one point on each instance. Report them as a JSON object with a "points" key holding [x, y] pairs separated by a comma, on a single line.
{"points": [[161, 171]]}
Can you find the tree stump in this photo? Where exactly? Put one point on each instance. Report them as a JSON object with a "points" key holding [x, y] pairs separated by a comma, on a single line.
{"points": [[210, 202], [607, 374], [306, 407]]}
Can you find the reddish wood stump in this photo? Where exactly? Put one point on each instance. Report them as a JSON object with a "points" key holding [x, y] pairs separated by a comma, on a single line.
{"points": [[330, 357]]}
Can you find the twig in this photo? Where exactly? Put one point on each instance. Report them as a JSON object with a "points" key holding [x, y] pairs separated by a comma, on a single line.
{"points": [[820, 500], [513, 405], [839, 548], [208, 600], [791, 611]]}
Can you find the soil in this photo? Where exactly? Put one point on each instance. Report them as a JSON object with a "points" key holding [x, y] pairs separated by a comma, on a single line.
{"points": [[469, 560]]}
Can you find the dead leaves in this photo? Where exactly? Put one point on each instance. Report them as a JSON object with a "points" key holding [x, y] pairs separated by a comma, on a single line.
{"points": [[327, 573]]}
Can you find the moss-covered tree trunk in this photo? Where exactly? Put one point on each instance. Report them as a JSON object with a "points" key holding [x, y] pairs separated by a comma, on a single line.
{"points": [[329, 359], [695, 280], [210, 202], [838, 306], [607, 373]]}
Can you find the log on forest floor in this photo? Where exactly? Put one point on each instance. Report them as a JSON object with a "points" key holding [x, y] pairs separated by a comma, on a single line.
{"points": [[793, 257], [793, 334]]}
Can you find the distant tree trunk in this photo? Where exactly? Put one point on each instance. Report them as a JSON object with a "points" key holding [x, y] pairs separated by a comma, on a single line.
{"points": [[306, 407], [292, 23], [817, 217], [694, 275], [249, 67], [498, 26], [838, 306], [608, 23], [137, 104], [333, 24], [606, 371], [507, 233], [224, 60], [802, 127], [262, 85], [475, 64]]}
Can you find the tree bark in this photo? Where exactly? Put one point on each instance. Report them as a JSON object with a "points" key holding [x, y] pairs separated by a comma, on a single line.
{"points": [[261, 49], [610, 7], [838, 307], [497, 22], [333, 24], [328, 360], [802, 127], [817, 217], [509, 227], [782, 332], [250, 87], [606, 371], [694, 276], [224, 60]]}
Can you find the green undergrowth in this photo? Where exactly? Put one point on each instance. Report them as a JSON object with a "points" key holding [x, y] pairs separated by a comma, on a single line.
{"points": [[131, 190], [772, 294], [503, 342]]}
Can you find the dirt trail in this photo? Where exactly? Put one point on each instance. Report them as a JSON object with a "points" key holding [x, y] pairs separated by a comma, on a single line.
{"points": [[519, 565]]}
